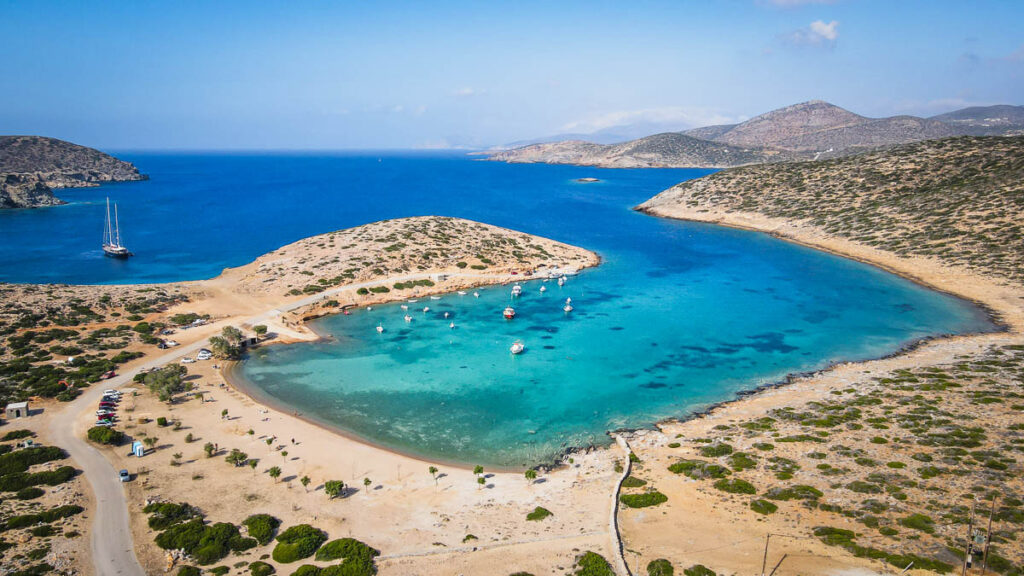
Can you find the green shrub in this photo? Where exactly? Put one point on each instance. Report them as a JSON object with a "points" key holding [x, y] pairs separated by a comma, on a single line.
{"points": [[735, 486], [18, 481], [797, 492], [30, 493], [699, 570], [538, 514], [716, 450], [919, 522], [633, 482], [297, 542], [699, 469], [345, 548], [307, 570], [17, 435], [166, 514], [21, 460], [261, 569], [220, 570], [652, 498], [161, 421], [862, 487], [105, 435], [592, 564], [189, 571], [763, 507], [660, 567], [741, 461], [262, 527]]}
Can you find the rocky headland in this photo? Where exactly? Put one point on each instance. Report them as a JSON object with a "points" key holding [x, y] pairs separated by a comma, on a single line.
{"points": [[31, 167]]}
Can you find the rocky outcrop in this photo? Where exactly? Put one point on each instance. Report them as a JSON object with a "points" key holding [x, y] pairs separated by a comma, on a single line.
{"points": [[32, 166], [669, 150], [999, 120]]}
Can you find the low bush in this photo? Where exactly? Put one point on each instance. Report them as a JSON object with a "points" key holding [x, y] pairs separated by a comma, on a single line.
{"points": [[633, 482], [699, 570], [592, 564], [797, 492], [262, 527], [166, 514], [652, 498], [345, 548], [30, 493], [19, 481], [716, 450], [17, 435], [261, 569], [307, 570], [189, 571], [735, 486], [699, 469], [105, 435], [660, 567], [538, 514], [298, 542], [763, 507]]}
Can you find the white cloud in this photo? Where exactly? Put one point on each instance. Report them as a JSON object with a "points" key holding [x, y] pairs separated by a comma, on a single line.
{"points": [[671, 115], [467, 92], [818, 33]]}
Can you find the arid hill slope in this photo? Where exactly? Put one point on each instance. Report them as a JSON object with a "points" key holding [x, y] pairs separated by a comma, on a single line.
{"points": [[959, 200], [31, 166]]}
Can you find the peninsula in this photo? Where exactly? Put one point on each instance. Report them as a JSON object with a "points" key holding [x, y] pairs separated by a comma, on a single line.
{"points": [[31, 167]]}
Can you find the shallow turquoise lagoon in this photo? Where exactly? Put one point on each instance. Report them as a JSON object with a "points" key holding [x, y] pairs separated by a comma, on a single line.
{"points": [[678, 316]]}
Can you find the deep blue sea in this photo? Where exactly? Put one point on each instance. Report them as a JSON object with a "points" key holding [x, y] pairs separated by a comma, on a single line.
{"points": [[678, 316]]}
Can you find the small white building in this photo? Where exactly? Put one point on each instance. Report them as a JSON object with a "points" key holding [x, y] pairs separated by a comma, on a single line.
{"points": [[16, 410]]}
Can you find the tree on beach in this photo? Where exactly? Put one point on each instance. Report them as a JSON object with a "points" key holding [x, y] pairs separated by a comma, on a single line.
{"points": [[232, 334], [478, 469], [208, 448], [260, 330], [166, 382], [531, 475], [223, 413], [236, 457], [252, 464], [150, 441], [333, 488], [305, 483], [366, 484], [224, 349], [284, 454], [480, 480], [433, 473], [269, 441], [275, 472]]}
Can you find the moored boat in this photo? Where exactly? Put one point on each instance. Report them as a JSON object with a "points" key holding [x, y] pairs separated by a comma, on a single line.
{"points": [[517, 348], [112, 237], [517, 290], [509, 313]]}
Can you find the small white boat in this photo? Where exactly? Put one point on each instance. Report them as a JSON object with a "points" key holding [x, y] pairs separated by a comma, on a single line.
{"points": [[404, 307], [380, 328], [568, 300], [408, 318], [517, 290], [412, 301], [561, 280], [452, 325], [567, 308], [543, 288], [517, 348], [509, 313], [369, 308], [476, 294], [426, 309], [462, 292], [435, 297], [445, 314]]}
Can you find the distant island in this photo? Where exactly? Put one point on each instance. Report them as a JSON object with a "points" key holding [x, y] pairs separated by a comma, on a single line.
{"points": [[813, 130], [32, 166]]}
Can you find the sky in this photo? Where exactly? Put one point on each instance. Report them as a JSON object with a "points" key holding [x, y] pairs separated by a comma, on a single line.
{"points": [[302, 75]]}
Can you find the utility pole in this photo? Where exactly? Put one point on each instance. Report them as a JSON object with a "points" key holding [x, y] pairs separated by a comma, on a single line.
{"points": [[970, 542], [988, 536], [764, 561]]}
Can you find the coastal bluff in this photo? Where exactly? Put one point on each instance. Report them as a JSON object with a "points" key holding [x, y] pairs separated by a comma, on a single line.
{"points": [[31, 167]]}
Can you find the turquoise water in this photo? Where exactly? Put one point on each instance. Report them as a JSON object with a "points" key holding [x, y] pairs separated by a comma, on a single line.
{"points": [[678, 316]]}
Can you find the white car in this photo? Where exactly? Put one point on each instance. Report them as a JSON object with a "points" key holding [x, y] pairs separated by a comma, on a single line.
{"points": [[188, 360], [204, 355], [171, 343]]}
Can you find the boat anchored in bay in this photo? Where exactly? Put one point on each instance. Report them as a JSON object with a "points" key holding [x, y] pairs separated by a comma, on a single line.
{"points": [[112, 237]]}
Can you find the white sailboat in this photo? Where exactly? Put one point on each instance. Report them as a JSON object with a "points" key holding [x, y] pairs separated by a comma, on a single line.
{"points": [[380, 328], [112, 237]]}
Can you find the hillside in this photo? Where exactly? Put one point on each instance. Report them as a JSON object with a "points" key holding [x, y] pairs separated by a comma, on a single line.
{"points": [[32, 166], [986, 120], [958, 200], [668, 150], [817, 126]]}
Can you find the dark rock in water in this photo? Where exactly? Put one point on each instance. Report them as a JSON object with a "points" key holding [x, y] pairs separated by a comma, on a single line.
{"points": [[32, 166]]}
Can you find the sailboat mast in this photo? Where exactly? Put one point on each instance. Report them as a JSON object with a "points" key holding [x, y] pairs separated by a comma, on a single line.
{"points": [[106, 225], [117, 227]]}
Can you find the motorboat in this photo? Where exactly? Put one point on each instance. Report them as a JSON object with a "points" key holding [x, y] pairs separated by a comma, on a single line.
{"points": [[568, 300], [426, 309], [445, 314], [543, 288], [462, 292], [405, 307], [435, 297], [517, 290], [567, 308], [517, 348], [561, 280], [509, 313], [408, 318], [476, 294], [452, 325], [380, 328]]}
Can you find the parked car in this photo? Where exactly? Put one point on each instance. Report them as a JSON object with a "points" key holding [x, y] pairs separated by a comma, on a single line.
{"points": [[171, 343], [204, 355], [124, 476], [188, 360]]}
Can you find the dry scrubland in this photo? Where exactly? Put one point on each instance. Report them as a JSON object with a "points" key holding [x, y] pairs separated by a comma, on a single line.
{"points": [[958, 200], [875, 465]]}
